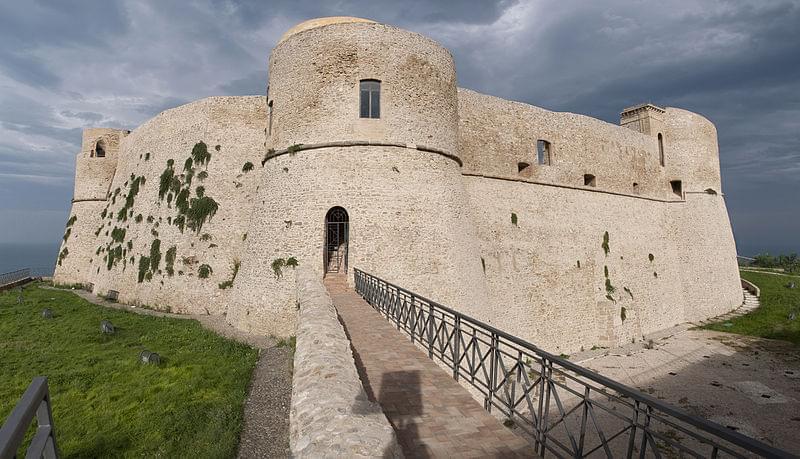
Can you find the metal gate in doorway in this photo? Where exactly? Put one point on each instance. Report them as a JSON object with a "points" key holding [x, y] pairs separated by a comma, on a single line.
{"points": [[336, 238]]}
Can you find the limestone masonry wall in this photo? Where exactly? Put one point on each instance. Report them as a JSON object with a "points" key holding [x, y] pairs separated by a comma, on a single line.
{"points": [[135, 224], [611, 233], [331, 415]]}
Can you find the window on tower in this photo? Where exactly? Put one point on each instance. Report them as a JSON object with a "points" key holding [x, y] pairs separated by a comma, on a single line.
{"points": [[99, 150], [370, 99], [544, 151]]}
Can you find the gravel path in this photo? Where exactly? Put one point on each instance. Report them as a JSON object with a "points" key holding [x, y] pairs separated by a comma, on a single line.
{"points": [[266, 412], [265, 432]]}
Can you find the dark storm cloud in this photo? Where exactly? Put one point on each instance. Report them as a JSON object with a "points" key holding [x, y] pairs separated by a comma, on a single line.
{"points": [[253, 13], [65, 66]]}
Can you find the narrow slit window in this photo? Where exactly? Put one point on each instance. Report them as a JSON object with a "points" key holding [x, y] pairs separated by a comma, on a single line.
{"points": [[270, 118], [635, 188], [660, 149], [589, 180], [524, 169], [544, 151], [677, 187], [99, 150], [370, 103]]}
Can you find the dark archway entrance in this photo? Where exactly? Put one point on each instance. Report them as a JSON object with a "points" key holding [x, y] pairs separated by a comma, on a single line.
{"points": [[337, 227]]}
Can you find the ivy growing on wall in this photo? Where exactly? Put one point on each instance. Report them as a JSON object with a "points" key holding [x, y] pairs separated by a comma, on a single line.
{"points": [[155, 255], [62, 255], [234, 271], [279, 263], [204, 271], [118, 234], [169, 259], [200, 153], [144, 266]]}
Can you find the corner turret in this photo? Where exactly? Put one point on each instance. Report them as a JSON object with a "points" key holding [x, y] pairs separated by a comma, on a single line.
{"points": [[96, 163]]}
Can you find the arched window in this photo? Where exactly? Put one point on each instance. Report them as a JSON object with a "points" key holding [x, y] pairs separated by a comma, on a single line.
{"points": [[370, 103], [544, 151], [660, 149], [99, 149]]}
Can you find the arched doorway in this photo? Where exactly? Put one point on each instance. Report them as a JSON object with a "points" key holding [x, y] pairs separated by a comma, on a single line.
{"points": [[337, 226]]}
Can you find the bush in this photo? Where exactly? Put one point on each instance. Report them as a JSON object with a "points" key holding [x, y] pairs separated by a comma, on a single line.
{"points": [[248, 166]]}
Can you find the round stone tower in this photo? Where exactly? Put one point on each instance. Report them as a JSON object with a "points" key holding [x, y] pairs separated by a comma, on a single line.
{"points": [[360, 171]]}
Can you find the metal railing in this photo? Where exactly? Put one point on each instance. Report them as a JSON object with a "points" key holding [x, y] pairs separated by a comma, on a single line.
{"points": [[564, 409], [35, 402], [14, 276]]}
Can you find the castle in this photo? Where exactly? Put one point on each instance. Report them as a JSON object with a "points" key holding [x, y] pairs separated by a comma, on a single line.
{"points": [[559, 228]]}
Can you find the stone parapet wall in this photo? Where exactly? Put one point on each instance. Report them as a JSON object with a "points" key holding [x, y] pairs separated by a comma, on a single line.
{"points": [[331, 415]]}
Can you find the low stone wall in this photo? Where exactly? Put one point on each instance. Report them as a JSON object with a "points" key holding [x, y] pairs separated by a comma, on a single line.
{"points": [[331, 415], [751, 287]]}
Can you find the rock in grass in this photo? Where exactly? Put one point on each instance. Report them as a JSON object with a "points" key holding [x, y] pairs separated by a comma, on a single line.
{"points": [[107, 327], [148, 357], [47, 313]]}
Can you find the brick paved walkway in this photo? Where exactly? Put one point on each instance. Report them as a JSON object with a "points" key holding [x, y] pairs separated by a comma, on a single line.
{"points": [[432, 414]]}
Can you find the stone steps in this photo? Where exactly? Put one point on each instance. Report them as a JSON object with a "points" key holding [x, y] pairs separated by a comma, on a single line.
{"points": [[749, 304]]}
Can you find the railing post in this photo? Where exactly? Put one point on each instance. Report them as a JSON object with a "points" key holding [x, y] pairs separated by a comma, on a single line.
{"points": [[44, 416], [634, 421], [430, 330], [455, 346], [413, 313], [544, 406], [492, 372]]}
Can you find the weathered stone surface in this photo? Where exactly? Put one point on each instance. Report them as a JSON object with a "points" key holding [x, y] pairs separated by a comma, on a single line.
{"points": [[430, 188], [331, 415]]}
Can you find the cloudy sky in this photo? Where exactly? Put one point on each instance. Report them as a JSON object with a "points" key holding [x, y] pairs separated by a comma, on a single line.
{"points": [[66, 65]]}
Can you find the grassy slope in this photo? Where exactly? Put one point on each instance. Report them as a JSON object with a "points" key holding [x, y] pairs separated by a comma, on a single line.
{"points": [[771, 320], [105, 403]]}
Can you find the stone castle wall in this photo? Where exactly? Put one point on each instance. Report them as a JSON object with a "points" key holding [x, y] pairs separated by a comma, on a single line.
{"points": [[430, 188], [408, 219], [236, 125], [546, 274]]}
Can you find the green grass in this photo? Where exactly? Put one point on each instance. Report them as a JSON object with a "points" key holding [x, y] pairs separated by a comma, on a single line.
{"points": [[106, 403], [771, 320]]}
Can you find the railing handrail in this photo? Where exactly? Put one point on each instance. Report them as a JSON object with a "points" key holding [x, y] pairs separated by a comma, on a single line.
{"points": [[35, 402], [14, 276], [705, 425]]}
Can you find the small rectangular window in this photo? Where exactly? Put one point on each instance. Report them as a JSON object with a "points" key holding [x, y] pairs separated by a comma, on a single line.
{"points": [[589, 180], [370, 99], [677, 187], [543, 152]]}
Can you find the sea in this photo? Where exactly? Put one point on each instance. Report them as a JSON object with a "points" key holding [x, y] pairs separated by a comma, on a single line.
{"points": [[40, 258]]}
